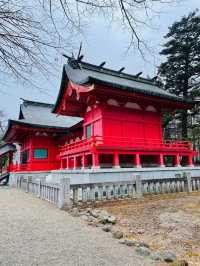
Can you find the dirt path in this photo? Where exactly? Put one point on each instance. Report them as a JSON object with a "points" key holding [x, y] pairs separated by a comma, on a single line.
{"points": [[34, 232]]}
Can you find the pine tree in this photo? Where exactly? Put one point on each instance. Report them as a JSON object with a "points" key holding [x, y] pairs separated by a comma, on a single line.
{"points": [[181, 70]]}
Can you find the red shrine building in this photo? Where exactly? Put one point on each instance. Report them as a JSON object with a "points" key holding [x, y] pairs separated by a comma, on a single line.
{"points": [[39, 134], [101, 119]]}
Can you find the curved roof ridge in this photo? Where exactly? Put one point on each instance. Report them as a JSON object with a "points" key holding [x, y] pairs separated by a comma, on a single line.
{"points": [[113, 72], [83, 73], [36, 103]]}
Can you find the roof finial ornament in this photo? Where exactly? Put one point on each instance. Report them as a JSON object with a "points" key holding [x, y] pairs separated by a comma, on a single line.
{"points": [[79, 53], [121, 69], [138, 74], [154, 79], [102, 64], [80, 58]]}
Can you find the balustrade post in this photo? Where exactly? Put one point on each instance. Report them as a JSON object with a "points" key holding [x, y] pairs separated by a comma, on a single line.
{"points": [[17, 182], [188, 182], [138, 183], [84, 194], [39, 189], [64, 194], [27, 184], [75, 194], [92, 193]]}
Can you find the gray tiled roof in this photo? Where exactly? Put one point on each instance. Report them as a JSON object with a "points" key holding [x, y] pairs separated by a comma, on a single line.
{"points": [[6, 148], [40, 114], [85, 73]]}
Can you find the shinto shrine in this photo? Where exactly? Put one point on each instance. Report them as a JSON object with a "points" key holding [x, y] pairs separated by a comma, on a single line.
{"points": [[101, 119]]}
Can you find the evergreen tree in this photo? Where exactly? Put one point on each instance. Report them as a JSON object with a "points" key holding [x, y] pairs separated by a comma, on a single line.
{"points": [[181, 70]]}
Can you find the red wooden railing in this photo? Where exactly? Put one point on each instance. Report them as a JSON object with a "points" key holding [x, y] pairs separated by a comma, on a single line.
{"points": [[126, 142]]}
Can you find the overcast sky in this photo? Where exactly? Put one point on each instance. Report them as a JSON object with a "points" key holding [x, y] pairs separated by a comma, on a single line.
{"points": [[102, 43]]}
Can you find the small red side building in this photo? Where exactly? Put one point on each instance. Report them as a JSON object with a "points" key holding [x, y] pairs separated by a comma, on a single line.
{"points": [[106, 119], [39, 134]]}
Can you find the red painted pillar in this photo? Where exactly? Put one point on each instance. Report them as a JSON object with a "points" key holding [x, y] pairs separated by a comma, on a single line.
{"points": [[137, 160], [67, 163], [161, 160], [95, 160], [116, 160], [62, 164], [84, 161], [190, 161], [75, 162], [177, 160]]}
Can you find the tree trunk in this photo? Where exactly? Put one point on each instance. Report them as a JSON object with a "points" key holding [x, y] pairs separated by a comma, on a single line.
{"points": [[184, 124], [185, 96]]}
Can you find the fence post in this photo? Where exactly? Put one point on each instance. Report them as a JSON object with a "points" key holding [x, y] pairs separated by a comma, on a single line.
{"points": [[138, 185], [75, 194], [39, 189], [20, 181], [27, 184], [187, 181], [17, 181], [64, 194]]}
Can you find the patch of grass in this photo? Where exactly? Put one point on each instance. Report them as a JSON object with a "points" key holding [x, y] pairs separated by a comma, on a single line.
{"points": [[192, 206], [191, 254], [131, 237], [179, 263]]}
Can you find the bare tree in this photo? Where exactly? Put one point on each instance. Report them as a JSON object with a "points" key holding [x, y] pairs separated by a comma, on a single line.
{"points": [[26, 37], [1, 126], [22, 39], [129, 14]]}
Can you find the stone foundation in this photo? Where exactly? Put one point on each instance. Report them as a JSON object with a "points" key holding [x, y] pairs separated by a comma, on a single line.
{"points": [[119, 174], [106, 175]]}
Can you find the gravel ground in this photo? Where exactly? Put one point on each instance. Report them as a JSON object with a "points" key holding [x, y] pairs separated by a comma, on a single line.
{"points": [[34, 232], [165, 222]]}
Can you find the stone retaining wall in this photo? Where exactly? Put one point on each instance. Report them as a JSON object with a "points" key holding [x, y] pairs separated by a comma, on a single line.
{"points": [[118, 175]]}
